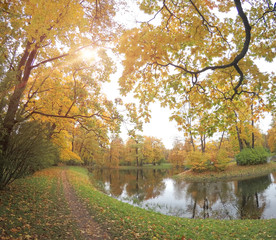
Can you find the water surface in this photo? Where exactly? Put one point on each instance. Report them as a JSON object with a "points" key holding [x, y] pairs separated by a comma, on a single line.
{"points": [[154, 189]]}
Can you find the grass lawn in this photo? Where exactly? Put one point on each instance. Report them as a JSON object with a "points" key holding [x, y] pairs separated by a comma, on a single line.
{"points": [[232, 171], [34, 207]]}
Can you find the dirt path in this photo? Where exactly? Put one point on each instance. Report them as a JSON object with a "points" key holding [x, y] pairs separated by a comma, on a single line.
{"points": [[89, 229]]}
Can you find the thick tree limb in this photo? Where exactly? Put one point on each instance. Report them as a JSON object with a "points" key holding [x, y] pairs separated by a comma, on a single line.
{"points": [[234, 62]]}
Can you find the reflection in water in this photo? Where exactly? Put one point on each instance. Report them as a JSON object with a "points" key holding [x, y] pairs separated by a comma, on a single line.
{"points": [[250, 196], [205, 196], [154, 189]]}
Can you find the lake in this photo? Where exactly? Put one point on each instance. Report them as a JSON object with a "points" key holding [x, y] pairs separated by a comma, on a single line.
{"points": [[155, 189]]}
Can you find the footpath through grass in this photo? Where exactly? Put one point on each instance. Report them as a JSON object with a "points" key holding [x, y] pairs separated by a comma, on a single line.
{"points": [[35, 208]]}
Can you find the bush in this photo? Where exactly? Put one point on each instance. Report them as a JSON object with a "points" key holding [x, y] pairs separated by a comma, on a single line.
{"points": [[28, 150], [221, 160], [215, 161], [199, 161], [252, 156]]}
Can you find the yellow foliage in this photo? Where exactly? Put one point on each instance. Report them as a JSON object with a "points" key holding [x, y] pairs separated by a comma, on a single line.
{"points": [[67, 155], [177, 155], [199, 161], [221, 159], [215, 160], [62, 140], [272, 138]]}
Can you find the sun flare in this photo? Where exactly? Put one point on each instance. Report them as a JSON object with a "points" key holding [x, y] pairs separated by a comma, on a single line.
{"points": [[88, 54]]}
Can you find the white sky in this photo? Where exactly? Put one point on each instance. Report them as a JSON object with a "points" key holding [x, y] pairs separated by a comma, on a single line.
{"points": [[160, 126]]}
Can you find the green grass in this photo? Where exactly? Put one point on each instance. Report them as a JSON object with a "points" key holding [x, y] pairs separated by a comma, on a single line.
{"points": [[233, 171], [34, 208]]}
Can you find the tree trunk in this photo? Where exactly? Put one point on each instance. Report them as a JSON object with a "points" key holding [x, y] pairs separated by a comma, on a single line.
{"points": [[14, 102], [238, 132], [192, 140], [220, 143], [137, 158], [252, 124], [203, 143], [136, 152], [73, 142], [239, 139]]}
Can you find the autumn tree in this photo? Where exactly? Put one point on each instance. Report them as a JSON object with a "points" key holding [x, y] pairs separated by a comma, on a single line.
{"points": [[272, 137], [41, 75], [88, 145], [153, 150], [177, 154], [131, 152], [115, 152], [202, 54]]}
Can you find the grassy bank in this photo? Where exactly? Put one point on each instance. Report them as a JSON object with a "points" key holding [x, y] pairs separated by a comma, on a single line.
{"points": [[36, 207], [233, 171]]}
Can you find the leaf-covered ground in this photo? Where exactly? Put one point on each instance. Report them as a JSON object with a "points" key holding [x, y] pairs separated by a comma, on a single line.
{"points": [[86, 224], [37, 208]]}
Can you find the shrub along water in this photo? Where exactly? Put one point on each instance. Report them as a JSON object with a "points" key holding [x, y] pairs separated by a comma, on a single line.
{"points": [[252, 156]]}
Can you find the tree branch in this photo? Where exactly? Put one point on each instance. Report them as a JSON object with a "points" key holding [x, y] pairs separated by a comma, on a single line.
{"points": [[236, 60], [61, 56]]}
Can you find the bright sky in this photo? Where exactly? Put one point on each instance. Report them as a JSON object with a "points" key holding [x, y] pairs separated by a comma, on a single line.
{"points": [[160, 126]]}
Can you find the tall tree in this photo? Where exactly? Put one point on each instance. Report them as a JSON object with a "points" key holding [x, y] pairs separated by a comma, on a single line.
{"points": [[88, 145], [46, 73], [201, 52], [131, 152], [177, 154], [116, 152], [41, 36], [153, 150]]}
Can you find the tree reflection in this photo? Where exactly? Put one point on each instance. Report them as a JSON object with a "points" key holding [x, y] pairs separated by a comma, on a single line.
{"points": [[138, 184], [274, 177], [250, 200], [146, 184], [202, 196]]}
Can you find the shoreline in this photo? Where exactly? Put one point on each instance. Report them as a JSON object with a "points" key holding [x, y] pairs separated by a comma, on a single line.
{"points": [[232, 172]]}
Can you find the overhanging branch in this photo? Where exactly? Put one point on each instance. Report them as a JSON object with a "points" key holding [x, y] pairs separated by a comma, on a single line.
{"points": [[234, 62]]}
